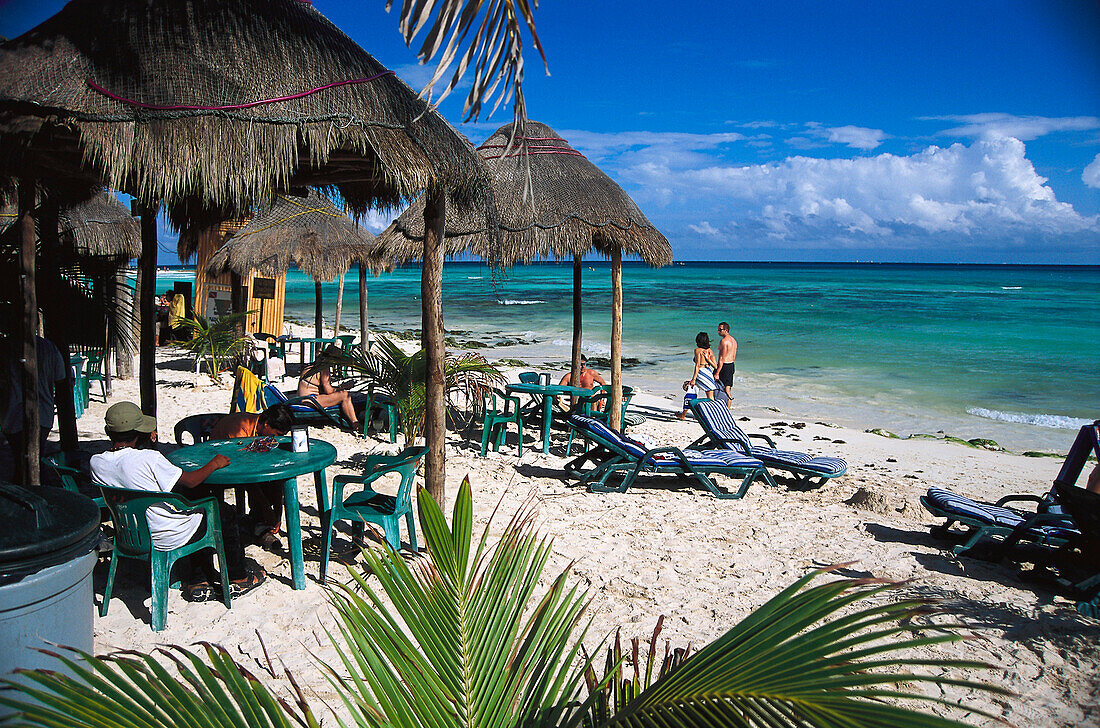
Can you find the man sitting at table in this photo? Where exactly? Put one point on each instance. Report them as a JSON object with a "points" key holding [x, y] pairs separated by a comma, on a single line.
{"points": [[319, 384], [589, 378], [133, 462], [266, 499]]}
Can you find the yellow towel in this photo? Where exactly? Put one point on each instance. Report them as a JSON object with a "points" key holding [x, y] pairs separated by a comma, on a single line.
{"points": [[176, 310], [249, 385]]}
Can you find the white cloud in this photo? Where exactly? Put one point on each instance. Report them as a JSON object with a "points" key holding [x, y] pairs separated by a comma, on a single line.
{"points": [[1091, 175], [704, 228], [1025, 128], [962, 195], [856, 137], [376, 221]]}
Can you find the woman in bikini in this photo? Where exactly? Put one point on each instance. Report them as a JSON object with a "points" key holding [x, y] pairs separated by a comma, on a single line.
{"points": [[319, 384], [703, 376]]}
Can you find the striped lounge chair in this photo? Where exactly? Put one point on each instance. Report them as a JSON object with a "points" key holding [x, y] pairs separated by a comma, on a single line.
{"points": [[615, 453], [990, 523], [722, 431]]}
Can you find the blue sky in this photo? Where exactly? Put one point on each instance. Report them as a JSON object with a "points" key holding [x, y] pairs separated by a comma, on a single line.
{"points": [[930, 132]]}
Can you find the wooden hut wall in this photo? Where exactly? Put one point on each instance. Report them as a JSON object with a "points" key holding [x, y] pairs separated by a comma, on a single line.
{"points": [[209, 241]]}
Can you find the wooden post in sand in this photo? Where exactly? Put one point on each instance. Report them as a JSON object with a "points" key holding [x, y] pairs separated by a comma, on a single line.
{"points": [[431, 299], [339, 306], [575, 369], [363, 330], [616, 402], [318, 310], [147, 279], [28, 465], [63, 390]]}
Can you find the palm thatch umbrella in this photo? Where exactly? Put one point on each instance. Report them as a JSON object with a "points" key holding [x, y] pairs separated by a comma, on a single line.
{"points": [[308, 232], [211, 107], [566, 208]]}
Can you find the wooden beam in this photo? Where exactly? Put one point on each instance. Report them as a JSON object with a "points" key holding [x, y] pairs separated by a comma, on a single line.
{"points": [[63, 390], [147, 315], [577, 325], [616, 402], [364, 330], [27, 462], [431, 298], [318, 310]]}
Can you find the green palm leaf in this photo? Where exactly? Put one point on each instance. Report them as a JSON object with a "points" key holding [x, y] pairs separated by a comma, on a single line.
{"points": [[134, 690], [463, 645], [795, 662], [215, 342]]}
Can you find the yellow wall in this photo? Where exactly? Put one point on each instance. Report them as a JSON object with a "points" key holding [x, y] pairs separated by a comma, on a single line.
{"points": [[210, 240]]}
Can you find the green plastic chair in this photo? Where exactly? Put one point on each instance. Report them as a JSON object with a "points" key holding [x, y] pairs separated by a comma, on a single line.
{"points": [[586, 406], [70, 476], [80, 385], [93, 372], [134, 541], [197, 426], [369, 506], [504, 409], [381, 401]]}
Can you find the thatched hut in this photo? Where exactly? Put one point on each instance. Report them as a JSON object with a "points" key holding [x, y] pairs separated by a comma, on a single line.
{"points": [[211, 107], [553, 203], [309, 233]]}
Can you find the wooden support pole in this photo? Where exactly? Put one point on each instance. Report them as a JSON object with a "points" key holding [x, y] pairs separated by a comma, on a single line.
{"points": [[431, 298], [147, 314], [318, 310], [339, 306], [63, 390], [27, 461], [364, 330], [616, 401], [577, 326]]}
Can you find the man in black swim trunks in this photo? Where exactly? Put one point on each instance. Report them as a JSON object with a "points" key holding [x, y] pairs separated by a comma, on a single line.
{"points": [[727, 354]]}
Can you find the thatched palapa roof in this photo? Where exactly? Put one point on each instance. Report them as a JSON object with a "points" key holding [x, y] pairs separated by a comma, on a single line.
{"points": [[100, 227], [308, 232], [217, 105], [577, 209]]}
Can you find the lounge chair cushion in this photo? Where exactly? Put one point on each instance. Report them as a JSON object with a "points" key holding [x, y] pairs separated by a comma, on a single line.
{"points": [[723, 425], [710, 458], [963, 507]]}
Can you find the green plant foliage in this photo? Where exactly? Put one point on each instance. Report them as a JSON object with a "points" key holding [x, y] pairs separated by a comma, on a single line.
{"points": [[390, 370], [215, 343], [465, 636]]}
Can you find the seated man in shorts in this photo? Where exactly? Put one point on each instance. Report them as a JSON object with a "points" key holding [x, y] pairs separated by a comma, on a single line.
{"points": [[266, 499], [133, 462]]}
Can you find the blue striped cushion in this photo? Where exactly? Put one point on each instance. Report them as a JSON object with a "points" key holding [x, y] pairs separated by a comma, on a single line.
{"points": [[716, 417], [987, 513], [827, 466], [709, 458], [604, 432]]}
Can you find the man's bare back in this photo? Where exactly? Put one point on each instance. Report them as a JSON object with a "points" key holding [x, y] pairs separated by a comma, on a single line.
{"points": [[727, 355]]}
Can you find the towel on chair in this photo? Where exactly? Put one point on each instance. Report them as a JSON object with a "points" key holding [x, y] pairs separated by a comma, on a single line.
{"points": [[249, 385]]}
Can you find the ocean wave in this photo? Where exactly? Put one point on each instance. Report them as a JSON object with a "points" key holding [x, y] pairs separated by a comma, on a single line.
{"points": [[473, 278], [1011, 288], [519, 302], [1060, 422]]}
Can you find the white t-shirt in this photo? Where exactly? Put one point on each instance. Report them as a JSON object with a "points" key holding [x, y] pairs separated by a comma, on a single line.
{"points": [[148, 470]]}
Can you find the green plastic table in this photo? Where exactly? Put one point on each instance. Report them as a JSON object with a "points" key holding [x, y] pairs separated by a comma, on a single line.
{"points": [[313, 342], [548, 392], [260, 467]]}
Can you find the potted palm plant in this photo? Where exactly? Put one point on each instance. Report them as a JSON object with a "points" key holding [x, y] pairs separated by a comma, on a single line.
{"points": [[215, 343], [465, 639]]}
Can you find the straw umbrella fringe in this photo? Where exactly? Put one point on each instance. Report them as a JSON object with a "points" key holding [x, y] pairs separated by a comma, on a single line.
{"points": [[576, 210], [310, 233]]}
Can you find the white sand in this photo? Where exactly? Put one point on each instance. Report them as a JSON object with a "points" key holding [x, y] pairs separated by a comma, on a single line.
{"points": [[670, 548]]}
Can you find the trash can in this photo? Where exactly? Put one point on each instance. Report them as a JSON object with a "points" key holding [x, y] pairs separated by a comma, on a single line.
{"points": [[47, 551]]}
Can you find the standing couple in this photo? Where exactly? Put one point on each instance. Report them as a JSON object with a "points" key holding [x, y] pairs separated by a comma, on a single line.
{"points": [[708, 370]]}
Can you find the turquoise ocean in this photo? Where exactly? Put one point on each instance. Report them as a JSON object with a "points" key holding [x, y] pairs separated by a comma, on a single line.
{"points": [[1010, 353]]}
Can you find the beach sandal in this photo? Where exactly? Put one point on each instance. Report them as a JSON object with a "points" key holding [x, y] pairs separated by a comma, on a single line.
{"points": [[240, 587], [200, 592]]}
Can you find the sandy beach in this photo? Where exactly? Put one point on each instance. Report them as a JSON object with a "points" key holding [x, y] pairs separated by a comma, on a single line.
{"points": [[667, 547]]}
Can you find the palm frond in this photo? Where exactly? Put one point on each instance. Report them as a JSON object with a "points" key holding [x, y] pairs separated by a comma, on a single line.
{"points": [[215, 342], [171, 687], [808, 656], [494, 48], [475, 652]]}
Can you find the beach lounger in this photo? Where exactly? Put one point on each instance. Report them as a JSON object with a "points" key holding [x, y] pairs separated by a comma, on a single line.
{"points": [[1003, 526], [614, 453], [251, 395], [723, 432]]}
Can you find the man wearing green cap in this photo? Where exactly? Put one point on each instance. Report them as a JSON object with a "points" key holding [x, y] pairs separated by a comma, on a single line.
{"points": [[133, 462]]}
